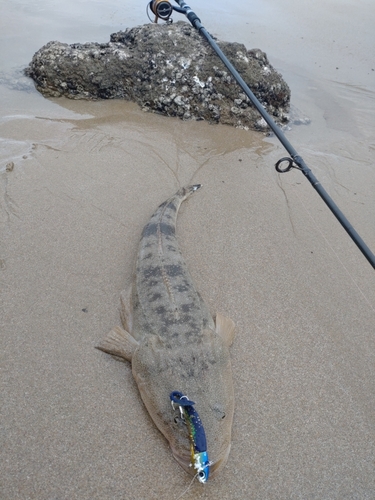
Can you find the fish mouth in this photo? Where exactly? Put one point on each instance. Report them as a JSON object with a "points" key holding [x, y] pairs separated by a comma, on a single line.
{"points": [[184, 459]]}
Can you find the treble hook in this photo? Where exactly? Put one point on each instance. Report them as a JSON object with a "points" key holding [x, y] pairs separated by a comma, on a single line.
{"points": [[178, 399]]}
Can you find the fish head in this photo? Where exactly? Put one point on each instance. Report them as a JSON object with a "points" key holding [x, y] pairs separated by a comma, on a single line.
{"points": [[200, 370]]}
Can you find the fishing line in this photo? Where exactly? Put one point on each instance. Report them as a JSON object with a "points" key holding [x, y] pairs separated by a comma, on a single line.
{"points": [[335, 253], [327, 241], [163, 10], [188, 488], [191, 483]]}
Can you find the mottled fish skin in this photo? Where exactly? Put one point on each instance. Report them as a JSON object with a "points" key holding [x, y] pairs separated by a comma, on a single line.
{"points": [[173, 343], [165, 301]]}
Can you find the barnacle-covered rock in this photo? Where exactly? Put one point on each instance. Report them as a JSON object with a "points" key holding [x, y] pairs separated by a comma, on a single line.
{"points": [[165, 68]]}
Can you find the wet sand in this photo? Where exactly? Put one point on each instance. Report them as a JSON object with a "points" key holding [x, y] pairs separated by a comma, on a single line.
{"points": [[262, 248]]}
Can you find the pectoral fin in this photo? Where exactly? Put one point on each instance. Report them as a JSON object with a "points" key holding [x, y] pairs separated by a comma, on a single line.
{"points": [[120, 343], [225, 328]]}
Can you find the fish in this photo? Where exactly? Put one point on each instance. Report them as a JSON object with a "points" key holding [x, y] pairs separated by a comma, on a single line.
{"points": [[176, 347]]}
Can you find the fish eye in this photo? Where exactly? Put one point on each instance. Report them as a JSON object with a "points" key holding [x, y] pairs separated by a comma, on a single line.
{"points": [[201, 475]]}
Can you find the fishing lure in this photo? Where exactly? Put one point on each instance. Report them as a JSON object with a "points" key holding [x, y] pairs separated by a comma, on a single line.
{"points": [[198, 443]]}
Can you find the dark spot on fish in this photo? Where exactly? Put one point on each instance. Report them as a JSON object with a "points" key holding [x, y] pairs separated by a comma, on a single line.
{"points": [[174, 270], [186, 307], [153, 283], [182, 288], [171, 248], [193, 325], [172, 206], [186, 318], [151, 271], [148, 256], [169, 321], [150, 230], [167, 229], [155, 296], [161, 310], [203, 366]]}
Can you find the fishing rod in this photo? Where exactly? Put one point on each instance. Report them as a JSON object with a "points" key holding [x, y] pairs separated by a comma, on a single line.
{"points": [[163, 10]]}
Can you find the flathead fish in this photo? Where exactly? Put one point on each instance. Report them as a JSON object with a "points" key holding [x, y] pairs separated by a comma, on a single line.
{"points": [[173, 343]]}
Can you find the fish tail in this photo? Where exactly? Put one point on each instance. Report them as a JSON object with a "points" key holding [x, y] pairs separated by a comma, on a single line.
{"points": [[173, 204], [163, 221], [187, 191]]}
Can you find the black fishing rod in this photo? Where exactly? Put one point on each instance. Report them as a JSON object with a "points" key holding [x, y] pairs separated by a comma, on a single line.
{"points": [[163, 10]]}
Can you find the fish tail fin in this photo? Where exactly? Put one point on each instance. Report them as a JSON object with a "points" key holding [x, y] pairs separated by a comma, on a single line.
{"points": [[195, 187], [187, 191]]}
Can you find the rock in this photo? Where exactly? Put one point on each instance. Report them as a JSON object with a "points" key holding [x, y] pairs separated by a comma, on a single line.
{"points": [[166, 68]]}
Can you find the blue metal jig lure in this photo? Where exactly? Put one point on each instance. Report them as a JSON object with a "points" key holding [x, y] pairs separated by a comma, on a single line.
{"points": [[198, 443]]}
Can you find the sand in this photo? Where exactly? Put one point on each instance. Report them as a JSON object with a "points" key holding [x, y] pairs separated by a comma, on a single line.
{"points": [[262, 248]]}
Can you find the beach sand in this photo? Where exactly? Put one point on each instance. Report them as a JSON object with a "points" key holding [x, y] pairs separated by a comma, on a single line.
{"points": [[262, 248]]}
